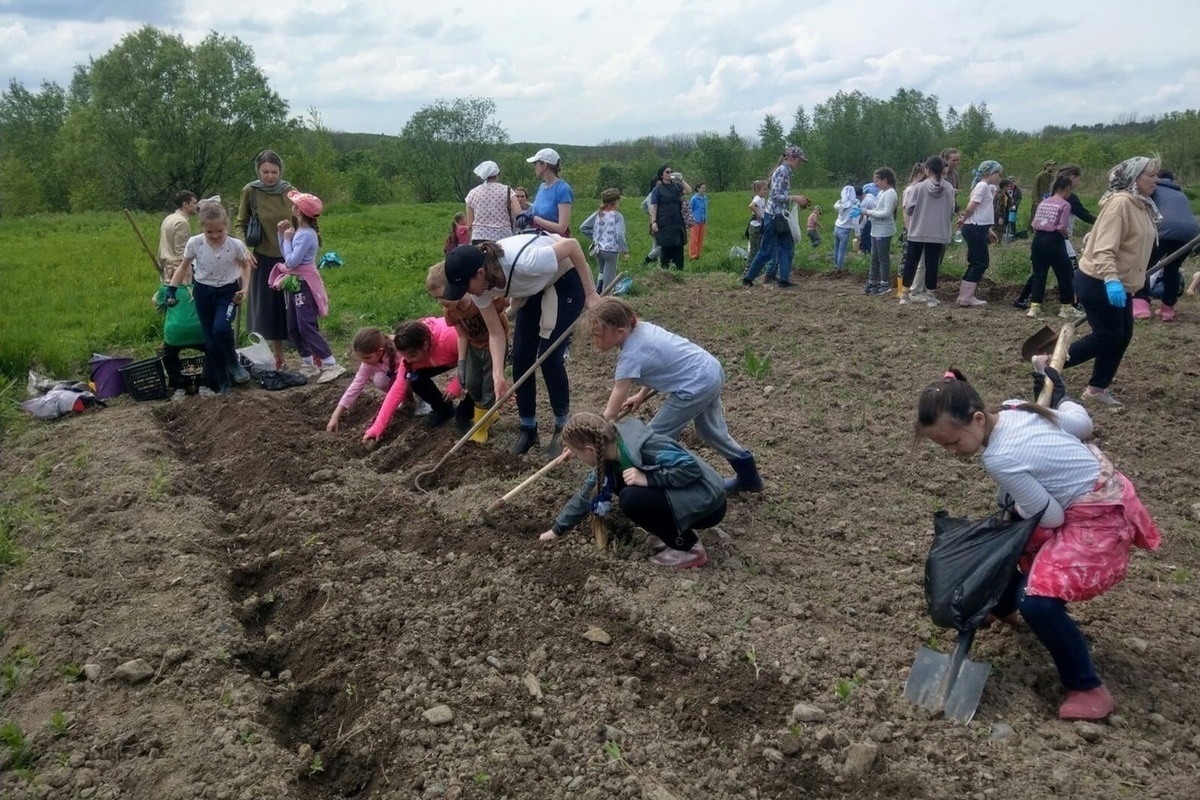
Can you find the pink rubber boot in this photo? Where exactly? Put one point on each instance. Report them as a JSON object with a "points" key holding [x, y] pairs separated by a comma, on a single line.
{"points": [[1094, 704], [1141, 308]]}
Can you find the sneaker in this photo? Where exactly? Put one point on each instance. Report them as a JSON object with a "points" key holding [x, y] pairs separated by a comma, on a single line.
{"points": [[422, 409], [906, 298], [883, 289], [931, 301], [309, 370], [1072, 313], [1102, 396], [1039, 363], [1035, 311], [869, 289], [1167, 313], [747, 283], [1021, 303], [1094, 704], [784, 284], [769, 278], [331, 372], [681, 559]]}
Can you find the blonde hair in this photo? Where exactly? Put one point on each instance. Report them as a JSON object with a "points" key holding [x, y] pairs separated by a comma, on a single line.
{"points": [[613, 312], [586, 429], [435, 279], [757, 185], [211, 209]]}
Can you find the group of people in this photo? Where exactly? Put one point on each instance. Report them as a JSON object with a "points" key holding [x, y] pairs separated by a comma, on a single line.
{"points": [[519, 284]]}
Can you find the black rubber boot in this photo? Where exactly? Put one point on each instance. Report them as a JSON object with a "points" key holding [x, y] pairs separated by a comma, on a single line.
{"points": [[464, 415], [526, 440], [440, 415], [554, 449], [748, 479]]}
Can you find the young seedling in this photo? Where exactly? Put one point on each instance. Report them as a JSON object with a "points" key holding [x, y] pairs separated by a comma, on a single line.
{"points": [[612, 751], [481, 778], [58, 724], [756, 366], [316, 765], [20, 756], [71, 672], [752, 657]]}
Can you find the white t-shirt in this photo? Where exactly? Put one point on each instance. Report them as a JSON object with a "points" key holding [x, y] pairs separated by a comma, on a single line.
{"points": [[984, 214], [655, 357], [536, 269], [759, 203], [215, 267]]}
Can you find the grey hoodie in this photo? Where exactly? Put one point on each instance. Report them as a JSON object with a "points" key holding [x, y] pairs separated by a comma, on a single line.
{"points": [[930, 207]]}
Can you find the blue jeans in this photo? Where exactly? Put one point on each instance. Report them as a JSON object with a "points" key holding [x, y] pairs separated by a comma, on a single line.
{"points": [[1047, 617], [707, 411], [528, 345], [841, 243], [775, 247], [213, 307]]}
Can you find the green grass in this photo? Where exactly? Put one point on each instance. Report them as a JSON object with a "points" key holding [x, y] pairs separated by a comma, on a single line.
{"points": [[78, 284]]}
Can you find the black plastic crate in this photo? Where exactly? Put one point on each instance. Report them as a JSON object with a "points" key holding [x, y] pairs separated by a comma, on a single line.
{"points": [[146, 380]]}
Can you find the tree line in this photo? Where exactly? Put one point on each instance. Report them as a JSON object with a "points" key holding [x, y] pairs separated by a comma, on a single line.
{"points": [[155, 115]]}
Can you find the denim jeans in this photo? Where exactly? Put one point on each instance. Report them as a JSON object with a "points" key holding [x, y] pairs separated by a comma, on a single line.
{"points": [[214, 307], [776, 247], [528, 346], [707, 411], [1047, 617], [841, 243]]}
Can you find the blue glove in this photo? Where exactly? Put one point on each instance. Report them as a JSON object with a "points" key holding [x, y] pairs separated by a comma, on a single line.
{"points": [[1116, 293], [855, 212]]}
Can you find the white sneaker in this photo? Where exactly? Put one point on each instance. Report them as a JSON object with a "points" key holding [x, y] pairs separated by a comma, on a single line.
{"points": [[1035, 311], [331, 372], [906, 298], [1071, 313], [1102, 396], [931, 301], [309, 370], [423, 409]]}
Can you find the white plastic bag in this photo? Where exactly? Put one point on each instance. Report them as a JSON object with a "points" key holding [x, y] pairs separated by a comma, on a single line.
{"points": [[793, 218], [257, 354]]}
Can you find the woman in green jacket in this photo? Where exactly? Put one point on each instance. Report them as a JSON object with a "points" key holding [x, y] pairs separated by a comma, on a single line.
{"points": [[265, 198]]}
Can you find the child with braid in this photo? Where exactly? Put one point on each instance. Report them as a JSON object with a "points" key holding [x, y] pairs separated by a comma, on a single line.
{"points": [[428, 348], [660, 486], [689, 376]]}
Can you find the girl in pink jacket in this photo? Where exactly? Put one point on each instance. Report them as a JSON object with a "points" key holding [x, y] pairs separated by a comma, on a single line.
{"points": [[428, 347], [1090, 515]]}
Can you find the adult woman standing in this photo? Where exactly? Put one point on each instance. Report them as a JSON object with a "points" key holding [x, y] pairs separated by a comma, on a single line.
{"points": [[265, 199], [666, 216], [491, 206], [976, 223], [551, 208], [929, 209], [1111, 268]]}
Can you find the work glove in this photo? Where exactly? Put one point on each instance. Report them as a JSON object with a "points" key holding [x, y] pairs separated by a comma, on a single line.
{"points": [[172, 300], [462, 372], [1116, 292], [1058, 393], [525, 219]]}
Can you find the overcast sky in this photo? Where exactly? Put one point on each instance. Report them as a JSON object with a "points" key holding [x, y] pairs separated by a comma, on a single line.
{"points": [[585, 71]]}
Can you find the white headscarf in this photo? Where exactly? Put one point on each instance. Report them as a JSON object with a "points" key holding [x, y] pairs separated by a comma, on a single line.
{"points": [[487, 169]]}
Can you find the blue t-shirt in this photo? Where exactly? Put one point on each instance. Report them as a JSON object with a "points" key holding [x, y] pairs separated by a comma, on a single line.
{"points": [[548, 198], [655, 357]]}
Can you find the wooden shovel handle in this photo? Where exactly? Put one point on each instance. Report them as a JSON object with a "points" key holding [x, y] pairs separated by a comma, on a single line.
{"points": [[1065, 335]]}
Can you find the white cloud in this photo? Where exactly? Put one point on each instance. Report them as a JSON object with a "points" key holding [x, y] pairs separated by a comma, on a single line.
{"points": [[613, 69]]}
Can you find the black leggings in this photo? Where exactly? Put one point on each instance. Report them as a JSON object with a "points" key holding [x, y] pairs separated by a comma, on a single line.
{"points": [[648, 507], [528, 346], [1170, 274], [1049, 251], [933, 259], [424, 388]]}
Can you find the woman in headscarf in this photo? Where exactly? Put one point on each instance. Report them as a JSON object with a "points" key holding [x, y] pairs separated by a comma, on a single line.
{"points": [[491, 206], [976, 222], [1111, 268], [267, 200]]}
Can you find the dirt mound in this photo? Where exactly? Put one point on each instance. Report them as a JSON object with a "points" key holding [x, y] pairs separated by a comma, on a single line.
{"points": [[313, 626]]}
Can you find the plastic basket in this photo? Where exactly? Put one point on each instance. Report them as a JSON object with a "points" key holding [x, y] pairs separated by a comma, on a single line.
{"points": [[146, 380], [192, 370]]}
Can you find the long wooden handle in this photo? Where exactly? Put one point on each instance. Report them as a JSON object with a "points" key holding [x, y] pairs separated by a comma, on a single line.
{"points": [[145, 246], [1065, 335], [520, 487]]}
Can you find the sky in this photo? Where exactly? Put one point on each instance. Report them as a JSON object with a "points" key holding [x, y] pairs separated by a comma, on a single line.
{"points": [[589, 71]]}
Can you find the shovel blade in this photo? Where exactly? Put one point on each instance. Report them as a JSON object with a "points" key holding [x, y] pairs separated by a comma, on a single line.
{"points": [[1041, 343], [956, 696]]}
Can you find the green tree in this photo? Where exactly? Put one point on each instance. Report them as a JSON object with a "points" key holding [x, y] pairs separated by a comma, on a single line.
{"points": [[970, 130], [30, 129], [155, 115], [313, 166], [721, 159], [444, 141], [843, 141], [801, 127], [770, 144]]}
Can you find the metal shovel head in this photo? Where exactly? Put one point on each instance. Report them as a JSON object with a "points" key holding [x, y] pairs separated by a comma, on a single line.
{"points": [[1041, 343], [929, 680]]}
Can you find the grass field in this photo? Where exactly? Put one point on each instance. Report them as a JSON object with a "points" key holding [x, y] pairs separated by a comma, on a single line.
{"points": [[72, 285]]}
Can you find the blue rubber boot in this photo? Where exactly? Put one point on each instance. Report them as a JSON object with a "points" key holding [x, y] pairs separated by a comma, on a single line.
{"points": [[748, 479]]}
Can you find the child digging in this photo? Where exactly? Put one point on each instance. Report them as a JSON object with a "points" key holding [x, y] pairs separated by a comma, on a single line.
{"points": [[428, 347], [474, 357], [661, 486], [379, 363], [687, 374]]}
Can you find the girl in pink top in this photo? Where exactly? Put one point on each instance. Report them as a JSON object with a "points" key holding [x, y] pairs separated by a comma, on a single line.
{"points": [[1051, 228], [379, 363], [427, 347]]}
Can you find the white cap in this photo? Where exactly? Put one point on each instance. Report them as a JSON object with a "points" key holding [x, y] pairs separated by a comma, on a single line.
{"points": [[547, 155], [487, 169]]}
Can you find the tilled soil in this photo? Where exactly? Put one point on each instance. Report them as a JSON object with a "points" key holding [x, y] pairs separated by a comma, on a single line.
{"points": [[304, 611]]}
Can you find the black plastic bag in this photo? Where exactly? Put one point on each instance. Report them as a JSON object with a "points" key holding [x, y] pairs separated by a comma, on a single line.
{"points": [[970, 564], [274, 380]]}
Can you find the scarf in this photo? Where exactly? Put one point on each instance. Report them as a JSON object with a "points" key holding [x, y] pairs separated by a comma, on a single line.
{"points": [[1123, 178]]}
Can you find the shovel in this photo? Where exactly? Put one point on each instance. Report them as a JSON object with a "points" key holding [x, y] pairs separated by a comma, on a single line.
{"points": [[953, 684]]}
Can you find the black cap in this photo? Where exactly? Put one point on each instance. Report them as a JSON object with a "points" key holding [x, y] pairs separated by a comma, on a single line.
{"points": [[461, 265]]}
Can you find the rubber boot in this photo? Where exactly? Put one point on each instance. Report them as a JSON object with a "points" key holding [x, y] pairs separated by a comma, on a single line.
{"points": [[1093, 704], [554, 449], [747, 478], [481, 436], [966, 295], [526, 440], [1141, 308], [462, 414]]}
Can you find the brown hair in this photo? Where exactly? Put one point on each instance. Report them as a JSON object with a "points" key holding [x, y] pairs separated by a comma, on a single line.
{"points": [[917, 173], [369, 340], [212, 210], [885, 174], [1071, 170], [613, 312], [412, 335], [954, 397], [610, 196], [586, 429], [311, 221], [493, 270]]}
